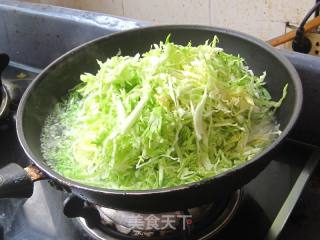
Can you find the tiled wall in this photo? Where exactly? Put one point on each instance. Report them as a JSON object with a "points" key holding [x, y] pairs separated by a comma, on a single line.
{"points": [[262, 18]]}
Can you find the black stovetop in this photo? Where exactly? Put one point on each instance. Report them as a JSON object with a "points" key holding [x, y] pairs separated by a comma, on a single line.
{"points": [[268, 200]]}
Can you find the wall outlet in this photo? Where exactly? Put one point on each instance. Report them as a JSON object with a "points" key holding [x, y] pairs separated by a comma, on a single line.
{"points": [[313, 36]]}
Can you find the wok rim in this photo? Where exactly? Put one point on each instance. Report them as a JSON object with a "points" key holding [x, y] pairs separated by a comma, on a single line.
{"points": [[297, 86]]}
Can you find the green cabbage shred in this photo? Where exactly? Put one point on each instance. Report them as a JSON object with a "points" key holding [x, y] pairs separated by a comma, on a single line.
{"points": [[171, 116]]}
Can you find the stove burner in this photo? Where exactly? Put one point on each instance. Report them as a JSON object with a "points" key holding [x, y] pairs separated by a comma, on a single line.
{"points": [[203, 222]]}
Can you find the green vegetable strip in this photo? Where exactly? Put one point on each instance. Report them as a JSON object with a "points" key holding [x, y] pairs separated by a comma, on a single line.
{"points": [[174, 115]]}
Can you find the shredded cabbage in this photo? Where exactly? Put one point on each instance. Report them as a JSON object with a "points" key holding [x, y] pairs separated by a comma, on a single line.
{"points": [[173, 115]]}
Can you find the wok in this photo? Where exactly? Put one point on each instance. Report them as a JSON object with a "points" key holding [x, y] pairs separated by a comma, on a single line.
{"points": [[59, 77]]}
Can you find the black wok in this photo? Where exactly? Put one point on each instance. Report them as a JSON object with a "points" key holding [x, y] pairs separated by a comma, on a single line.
{"points": [[59, 77]]}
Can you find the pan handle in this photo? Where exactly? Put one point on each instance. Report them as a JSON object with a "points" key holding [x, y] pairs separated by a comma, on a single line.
{"points": [[17, 182]]}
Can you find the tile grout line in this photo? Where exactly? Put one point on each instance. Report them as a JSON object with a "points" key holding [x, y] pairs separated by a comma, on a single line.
{"points": [[122, 5], [210, 18]]}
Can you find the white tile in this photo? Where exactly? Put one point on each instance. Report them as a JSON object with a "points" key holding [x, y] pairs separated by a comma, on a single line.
{"points": [[262, 18], [114, 7], [285, 10], [169, 11]]}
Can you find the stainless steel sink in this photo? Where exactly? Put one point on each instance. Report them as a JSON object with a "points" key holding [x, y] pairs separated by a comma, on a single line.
{"points": [[36, 34]]}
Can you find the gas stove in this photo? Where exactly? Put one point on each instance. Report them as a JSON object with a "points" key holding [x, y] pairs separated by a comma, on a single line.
{"points": [[34, 36], [202, 222]]}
